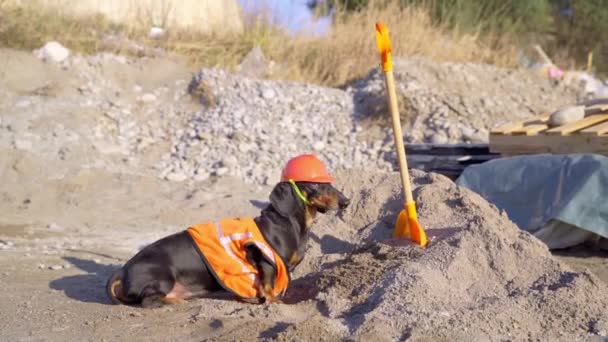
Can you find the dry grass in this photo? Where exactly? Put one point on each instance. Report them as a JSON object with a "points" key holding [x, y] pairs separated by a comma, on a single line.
{"points": [[347, 53], [29, 27]]}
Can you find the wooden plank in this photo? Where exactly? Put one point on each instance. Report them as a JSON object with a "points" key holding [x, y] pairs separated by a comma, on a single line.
{"points": [[513, 145], [596, 130], [531, 130], [577, 126], [511, 126]]}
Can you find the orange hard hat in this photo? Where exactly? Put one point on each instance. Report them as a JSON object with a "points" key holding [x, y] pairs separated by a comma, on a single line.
{"points": [[306, 168]]}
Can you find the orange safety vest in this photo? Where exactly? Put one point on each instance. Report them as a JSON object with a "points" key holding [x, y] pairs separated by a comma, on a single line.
{"points": [[222, 247]]}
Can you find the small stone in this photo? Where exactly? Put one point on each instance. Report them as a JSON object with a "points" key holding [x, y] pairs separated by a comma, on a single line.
{"points": [[318, 146], [566, 115], [438, 139], [52, 51], [54, 226], [55, 267], [222, 171], [176, 176], [156, 33], [201, 175], [137, 89], [268, 93], [245, 147], [148, 98], [480, 136], [230, 161], [467, 132], [41, 266], [204, 136]]}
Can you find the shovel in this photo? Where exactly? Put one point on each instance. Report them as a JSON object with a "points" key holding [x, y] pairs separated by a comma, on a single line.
{"points": [[407, 225]]}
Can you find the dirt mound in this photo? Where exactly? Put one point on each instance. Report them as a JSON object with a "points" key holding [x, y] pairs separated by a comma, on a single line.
{"points": [[479, 278]]}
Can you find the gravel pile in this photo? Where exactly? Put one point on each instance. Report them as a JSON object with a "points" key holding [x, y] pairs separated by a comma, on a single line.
{"points": [[256, 125], [250, 127], [152, 114]]}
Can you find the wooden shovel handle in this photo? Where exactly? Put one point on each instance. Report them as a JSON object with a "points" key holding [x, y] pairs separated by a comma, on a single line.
{"points": [[398, 134], [383, 43]]}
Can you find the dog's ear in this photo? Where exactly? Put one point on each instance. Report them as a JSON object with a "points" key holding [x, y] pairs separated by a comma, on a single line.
{"points": [[284, 199]]}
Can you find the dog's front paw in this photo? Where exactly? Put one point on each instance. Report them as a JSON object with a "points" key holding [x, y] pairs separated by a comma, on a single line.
{"points": [[267, 293]]}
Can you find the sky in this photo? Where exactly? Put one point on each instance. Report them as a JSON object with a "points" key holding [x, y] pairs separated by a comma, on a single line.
{"points": [[292, 15]]}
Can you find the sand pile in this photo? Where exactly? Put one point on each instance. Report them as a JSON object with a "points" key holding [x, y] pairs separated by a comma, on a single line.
{"points": [[480, 278]]}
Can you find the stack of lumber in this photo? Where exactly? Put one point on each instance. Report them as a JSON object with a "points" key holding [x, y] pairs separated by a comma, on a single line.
{"points": [[535, 135]]}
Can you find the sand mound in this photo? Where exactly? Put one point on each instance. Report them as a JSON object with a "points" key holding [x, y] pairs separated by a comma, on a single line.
{"points": [[480, 277]]}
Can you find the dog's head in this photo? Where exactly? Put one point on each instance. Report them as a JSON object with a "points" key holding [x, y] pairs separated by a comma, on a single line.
{"points": [[313, 197]]}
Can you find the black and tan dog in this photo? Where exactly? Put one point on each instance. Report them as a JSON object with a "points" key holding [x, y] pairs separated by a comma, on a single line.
{"points": [[175, 268]]}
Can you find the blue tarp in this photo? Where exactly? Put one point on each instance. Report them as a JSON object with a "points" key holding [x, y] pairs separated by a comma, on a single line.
{"points": [[562, 199]]}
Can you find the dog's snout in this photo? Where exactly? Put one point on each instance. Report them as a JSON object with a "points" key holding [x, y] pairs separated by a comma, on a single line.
{"points": [[343, 203]]}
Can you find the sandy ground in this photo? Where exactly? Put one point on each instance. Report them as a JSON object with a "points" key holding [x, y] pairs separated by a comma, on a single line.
{"points": [[62, 238], [72, 214]]}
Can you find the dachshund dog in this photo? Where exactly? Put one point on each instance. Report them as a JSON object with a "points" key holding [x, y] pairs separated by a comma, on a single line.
{"points": [[173, 269]]}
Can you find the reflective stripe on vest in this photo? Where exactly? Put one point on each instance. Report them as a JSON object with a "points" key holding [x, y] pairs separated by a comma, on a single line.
{"points": [[222, 246]]}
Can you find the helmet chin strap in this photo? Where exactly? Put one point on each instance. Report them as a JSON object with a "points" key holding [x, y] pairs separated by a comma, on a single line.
{"points": [[299, 192]]}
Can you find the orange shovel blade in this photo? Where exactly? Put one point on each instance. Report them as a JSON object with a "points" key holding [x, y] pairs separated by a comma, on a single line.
{"points": [[407, 225]]}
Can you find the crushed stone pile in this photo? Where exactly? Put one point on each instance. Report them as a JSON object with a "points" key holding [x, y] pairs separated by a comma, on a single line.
{"points": [[154, 115], [249, 127], [480, 278], [459, 102]]}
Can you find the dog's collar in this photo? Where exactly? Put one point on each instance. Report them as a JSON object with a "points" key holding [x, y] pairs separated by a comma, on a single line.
{"points": [[299, 192]]}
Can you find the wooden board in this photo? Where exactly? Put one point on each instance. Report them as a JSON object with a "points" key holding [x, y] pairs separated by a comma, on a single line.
{"points": [[578, 143], [596, 130], [518, 125], [578, 125], [589, 135]]}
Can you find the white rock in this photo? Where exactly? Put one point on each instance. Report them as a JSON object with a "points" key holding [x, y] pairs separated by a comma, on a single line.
{"points": [[201, 175], [467, 132], [230, 161], [222, 171], [54, 226], [137, 89], [55, 267], [148, 98], [52, 51], [245, 147], [156, 33], [176, 177], [566, 115], [268, 93], [318, 146], [438, 138]]}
